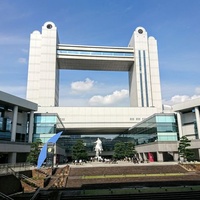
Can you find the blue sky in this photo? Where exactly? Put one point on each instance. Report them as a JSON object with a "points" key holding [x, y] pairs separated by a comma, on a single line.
{"points": [[174, 23]]}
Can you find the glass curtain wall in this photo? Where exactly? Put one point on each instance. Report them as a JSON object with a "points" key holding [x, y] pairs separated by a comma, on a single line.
{"points": [[108, 142], [46, 126], [159, 127], [5, 126], [5, 129]]}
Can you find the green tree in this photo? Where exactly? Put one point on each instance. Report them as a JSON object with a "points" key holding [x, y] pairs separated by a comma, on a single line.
{"points": [[130, 150], [79, 151], [34, 152], [184, 152], [124, 149], [119, 150]]}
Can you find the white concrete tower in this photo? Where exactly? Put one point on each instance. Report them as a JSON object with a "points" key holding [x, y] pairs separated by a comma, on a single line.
{"points": [[43, 73], [144, 78]]}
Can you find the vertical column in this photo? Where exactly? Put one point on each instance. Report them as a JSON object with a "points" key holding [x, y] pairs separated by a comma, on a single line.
{"points": [[139, 73], [14, 124], [197, 121], [159, 156], [133, 94], [154, 74], [179, 124], [145, 155], [30, 130], [43, 72], [175, 156], [49, 73], [198, 154], [140, 157], [12, 157], [33, 81]]}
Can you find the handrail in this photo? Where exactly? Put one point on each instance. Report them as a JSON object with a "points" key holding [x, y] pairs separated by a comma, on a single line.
{"points": [[29, 179], [25, 164], [4, 168], [35, 194], [5, 196], [41, 171], [13, 171]]}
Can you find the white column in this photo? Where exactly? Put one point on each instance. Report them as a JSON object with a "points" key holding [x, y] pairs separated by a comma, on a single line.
{"points": [[145, 155], [14, 124], [12, 157], [159, 156], [30, 130], [175, 156], [179, 124], [197, 120], [139, 156]]}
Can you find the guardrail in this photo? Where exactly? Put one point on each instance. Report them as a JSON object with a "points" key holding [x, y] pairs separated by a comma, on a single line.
{"points": [[29, 180], [36, 194], [5, 196], [9, 168]]}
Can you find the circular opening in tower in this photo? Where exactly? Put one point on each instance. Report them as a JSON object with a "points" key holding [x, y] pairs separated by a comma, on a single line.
{"points": [[49, 26], [140, 31]]}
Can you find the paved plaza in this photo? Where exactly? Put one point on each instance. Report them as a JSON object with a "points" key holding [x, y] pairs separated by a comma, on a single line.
{"points": [[119, 163]]}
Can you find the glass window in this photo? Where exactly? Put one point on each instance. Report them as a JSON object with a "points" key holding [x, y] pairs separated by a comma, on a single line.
{"points": [[45, 126], [157, 128], [95, 53]]}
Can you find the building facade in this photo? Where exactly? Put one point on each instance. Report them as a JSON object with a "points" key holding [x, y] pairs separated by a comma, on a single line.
{"points": [[144, 122], [140, 60], [47, 56], [16, 128], [161, 139], [157, 136], [188, 120]]}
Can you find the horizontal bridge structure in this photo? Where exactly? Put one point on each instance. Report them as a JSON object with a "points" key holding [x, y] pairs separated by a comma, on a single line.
{"points": [[76, 57]]}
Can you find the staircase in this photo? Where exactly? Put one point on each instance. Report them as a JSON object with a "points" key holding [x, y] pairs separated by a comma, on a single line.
{"points": [[59, 179]]}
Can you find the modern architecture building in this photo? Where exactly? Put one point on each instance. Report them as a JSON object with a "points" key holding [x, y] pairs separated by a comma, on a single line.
{"points": [[156, 136], [48, 56], [16, 128], [188, 120], [140, 59], [144, 122]]}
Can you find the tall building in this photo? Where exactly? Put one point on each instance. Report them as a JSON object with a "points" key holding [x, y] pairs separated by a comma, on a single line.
{"points": [[155, 133], [47, 57], [134, 123]]}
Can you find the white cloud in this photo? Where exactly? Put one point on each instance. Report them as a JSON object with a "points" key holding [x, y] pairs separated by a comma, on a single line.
{"points": [[22, 60], [186, 92], [108, 99], [82, 86], [197, 90], [179, 99]]}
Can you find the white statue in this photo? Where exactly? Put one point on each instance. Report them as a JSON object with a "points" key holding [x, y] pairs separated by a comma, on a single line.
{"points": [[98, 148]]}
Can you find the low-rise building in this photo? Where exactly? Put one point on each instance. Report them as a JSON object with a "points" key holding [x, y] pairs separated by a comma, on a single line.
{"points": [[16, 127]]}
